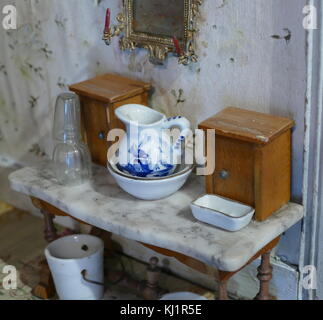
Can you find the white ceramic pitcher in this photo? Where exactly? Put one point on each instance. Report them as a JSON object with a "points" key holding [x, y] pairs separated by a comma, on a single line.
{"points": [[146, 150]]}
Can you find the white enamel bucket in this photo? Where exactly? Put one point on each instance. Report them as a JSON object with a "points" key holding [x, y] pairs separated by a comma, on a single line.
{"points": [[76, 263]]}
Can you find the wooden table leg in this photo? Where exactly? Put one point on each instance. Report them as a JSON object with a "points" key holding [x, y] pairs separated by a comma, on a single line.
{"points": [[106, 237], [223, 291], [45, 289], [264, 276], [50, 232]]}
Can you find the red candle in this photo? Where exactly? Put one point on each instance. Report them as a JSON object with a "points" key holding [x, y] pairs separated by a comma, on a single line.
{"points": [[177, 46], [107, 20]]}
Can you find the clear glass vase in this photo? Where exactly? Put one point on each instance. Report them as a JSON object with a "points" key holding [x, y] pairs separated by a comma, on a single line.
{"points": [[71, 157]]}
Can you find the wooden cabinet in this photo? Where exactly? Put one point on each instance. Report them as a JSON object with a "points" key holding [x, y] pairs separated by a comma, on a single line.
{"points": [[99, 98], [252, 159]]}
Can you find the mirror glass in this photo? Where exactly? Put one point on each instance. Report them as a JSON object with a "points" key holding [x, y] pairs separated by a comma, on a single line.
{"points": [[161, 17]]}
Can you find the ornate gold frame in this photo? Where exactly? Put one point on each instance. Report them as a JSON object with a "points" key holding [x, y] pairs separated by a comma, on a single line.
{"points": [[158, 46]]}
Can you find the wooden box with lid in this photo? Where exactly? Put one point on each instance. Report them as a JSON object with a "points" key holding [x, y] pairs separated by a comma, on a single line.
{"points": [[252, 159], [99, 98]]}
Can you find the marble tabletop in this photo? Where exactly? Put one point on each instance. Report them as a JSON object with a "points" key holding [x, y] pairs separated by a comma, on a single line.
{"points": [[166, 223]]}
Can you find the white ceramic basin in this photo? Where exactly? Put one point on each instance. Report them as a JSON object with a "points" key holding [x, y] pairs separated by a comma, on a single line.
{"points": [[221, 212], [152, 188]]}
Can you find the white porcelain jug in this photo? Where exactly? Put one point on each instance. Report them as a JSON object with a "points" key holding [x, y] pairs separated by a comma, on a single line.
{"points": [[146, 150]]}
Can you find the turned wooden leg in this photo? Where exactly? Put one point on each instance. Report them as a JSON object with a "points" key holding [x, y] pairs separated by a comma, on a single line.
{"points": [[45, 288], [96, 232], [150, 289], [50, 232], [106, 236], [223, 291], [264, 276]]}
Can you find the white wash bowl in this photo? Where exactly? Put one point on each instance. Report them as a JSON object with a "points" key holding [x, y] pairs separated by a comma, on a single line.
{"points": [[151, 189]]}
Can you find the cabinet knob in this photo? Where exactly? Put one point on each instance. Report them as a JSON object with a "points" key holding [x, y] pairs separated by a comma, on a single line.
{"points": [[224, 174], [101, 135]]}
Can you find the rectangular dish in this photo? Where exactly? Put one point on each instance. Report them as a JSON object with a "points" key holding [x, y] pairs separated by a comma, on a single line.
{"points": [[222, 212]]}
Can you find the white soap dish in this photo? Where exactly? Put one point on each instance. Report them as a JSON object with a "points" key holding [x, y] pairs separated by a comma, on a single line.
{"points": [[221, 212]]}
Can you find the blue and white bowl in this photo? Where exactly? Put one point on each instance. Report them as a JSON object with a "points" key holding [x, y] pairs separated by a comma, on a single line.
{"points": [[153, 188]]}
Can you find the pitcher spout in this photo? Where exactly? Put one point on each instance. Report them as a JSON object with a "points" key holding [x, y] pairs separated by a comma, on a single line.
{"points": [[139, 115]]}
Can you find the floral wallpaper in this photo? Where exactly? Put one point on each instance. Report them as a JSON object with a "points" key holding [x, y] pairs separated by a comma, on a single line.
{"points": [[244, 61], [38, 61]]}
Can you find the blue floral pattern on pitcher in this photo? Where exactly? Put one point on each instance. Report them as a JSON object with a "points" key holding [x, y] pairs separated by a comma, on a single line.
{"points": [[149, 155]]}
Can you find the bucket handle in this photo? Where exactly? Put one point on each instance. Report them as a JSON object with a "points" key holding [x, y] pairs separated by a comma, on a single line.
{"points": [[84, 273]]}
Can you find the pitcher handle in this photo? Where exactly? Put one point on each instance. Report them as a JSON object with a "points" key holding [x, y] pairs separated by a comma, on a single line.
{"points": [[184, 125]]}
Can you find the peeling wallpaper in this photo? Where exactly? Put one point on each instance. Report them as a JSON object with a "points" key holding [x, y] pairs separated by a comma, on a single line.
{"points": [[252, 55]]}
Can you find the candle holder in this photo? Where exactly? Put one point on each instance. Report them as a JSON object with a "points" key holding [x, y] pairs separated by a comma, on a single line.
{"points": [[189, 56], [114, 31], [185, 57]]}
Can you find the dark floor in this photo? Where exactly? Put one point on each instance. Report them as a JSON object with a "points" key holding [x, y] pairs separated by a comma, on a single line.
{"points": [[22, 246]]}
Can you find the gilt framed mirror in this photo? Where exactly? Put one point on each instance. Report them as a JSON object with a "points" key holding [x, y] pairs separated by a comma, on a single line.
{"points": [[160, 26]]}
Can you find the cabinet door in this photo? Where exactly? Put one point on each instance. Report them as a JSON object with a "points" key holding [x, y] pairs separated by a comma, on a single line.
{"points": [[272, 176], [95, 126], [234, 165]]}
